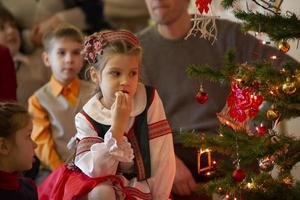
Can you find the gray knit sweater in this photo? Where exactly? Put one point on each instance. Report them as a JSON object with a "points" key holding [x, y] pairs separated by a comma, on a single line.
{"points": [[164, 67]]}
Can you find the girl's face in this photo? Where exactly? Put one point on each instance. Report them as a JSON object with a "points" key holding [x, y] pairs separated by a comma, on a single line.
{"points": [[10, 37], [21, 149], [121, 73]]}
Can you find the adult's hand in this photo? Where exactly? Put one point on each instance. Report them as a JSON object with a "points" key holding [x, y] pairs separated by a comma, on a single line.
{"points": [[41, 28], [184, 182]]}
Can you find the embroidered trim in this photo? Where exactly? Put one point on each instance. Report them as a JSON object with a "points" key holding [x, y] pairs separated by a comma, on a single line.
{"points": [[88, 118], [139, 163], [95, 43], [85, 144], [158, 129]]}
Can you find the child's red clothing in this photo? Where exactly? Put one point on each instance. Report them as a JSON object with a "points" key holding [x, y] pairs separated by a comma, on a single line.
{"points": [[8, 80], [148, 176], [15, 187]]}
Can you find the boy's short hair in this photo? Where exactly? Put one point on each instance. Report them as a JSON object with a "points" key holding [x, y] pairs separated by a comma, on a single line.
{"points": [[62, 31]]}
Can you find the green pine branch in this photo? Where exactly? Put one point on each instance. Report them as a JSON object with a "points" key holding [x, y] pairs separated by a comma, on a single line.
{"points": [[228, 3], [285, 152], [250, 147], [288, 105], [206, 72], [278, 27], [262, 186]]}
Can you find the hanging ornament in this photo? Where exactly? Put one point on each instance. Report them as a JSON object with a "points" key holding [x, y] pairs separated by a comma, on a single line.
{"points": [[284, 46], [261, 129], [272, 113], [202, 5], [243, 103], [201, 96], [266, 164], [289, 87], [225, 119], [277, 5], [238, 175], [241, 106], [270, 5], [204, 161], [204, 25]]}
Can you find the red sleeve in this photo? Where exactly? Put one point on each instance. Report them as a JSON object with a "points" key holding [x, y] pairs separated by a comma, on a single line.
{"points": [[8, 80]]}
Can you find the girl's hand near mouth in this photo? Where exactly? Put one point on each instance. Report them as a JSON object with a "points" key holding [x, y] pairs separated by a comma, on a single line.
{"points": [[121, 110]]}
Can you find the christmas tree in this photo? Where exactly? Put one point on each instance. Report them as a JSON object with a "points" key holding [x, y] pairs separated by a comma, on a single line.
{"points": [[261, 97]]}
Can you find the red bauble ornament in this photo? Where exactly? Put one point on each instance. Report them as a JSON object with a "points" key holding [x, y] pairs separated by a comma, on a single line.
{"points": [[261, 130], [238, 175], [201, 97]]}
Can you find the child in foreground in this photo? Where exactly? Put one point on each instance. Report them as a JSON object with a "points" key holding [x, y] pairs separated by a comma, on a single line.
{"points": [[124, 142], [16, 153]]}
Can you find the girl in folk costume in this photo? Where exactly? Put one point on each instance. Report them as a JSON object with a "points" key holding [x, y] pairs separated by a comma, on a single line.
{"points": [[124, 142], [16, 153]]}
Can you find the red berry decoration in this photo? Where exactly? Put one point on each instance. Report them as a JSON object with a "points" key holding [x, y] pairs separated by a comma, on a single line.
{"points": [[261, 130], [201, 97], [238, 175]]}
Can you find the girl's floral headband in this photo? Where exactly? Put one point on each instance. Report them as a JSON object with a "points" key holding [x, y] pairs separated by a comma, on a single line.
{"points": [[95, 43]]}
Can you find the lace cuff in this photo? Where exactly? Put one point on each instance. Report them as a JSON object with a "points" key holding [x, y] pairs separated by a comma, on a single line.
{"points": [[122, 152]]}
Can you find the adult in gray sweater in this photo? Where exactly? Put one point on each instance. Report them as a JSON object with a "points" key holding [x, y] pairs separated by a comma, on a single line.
{"points": [[167, 55]]}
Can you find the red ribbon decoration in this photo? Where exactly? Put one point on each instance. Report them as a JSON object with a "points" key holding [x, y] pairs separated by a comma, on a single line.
{"points": [[202, 5], [243, 103]]}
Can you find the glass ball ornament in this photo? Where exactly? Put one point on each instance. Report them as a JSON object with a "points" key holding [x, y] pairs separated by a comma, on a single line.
{"points": [[289, 87], [284, 46], [238, 175], [261, 130], [272, 114], [201, 97]]}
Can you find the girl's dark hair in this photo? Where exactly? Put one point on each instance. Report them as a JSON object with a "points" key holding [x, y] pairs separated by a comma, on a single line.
{"points": [[13, 117]]}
